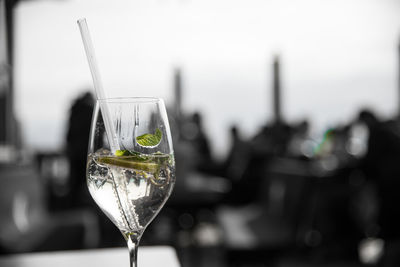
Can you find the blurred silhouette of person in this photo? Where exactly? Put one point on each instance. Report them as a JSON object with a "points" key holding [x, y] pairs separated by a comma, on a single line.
{"points": [[193, 132], [235, 164], [201, 143], [381, 166], [300, 145], [77, 145], [271, 142], [236, 160]]}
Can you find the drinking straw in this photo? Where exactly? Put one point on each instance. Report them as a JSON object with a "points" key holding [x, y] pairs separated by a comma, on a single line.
{"points": [[98, 87]]}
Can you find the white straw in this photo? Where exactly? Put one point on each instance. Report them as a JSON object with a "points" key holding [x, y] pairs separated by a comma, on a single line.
{"points": [[98, 87]]}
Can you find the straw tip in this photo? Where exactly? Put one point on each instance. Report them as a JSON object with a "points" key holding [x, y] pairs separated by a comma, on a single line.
{"points": [[81, 20]]}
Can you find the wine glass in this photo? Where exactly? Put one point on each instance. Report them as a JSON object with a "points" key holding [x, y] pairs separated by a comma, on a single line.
{"points": [[131, 173]]}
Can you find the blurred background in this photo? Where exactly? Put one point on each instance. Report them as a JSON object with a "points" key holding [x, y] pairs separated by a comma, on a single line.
{"points": [[285, 117]]}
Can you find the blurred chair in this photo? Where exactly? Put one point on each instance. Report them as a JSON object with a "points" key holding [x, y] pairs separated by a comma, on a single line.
{"points": [[25, 223], [275, 222], [275, 216]]}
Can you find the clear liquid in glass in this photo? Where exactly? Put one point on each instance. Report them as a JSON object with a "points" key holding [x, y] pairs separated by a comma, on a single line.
{"points": [[130, 192]]}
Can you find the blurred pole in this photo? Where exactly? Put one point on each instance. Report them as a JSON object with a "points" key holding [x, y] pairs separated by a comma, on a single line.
{"points": [[5, 71], [277, 112], [398, 80], [178, 94], [8, 131]]}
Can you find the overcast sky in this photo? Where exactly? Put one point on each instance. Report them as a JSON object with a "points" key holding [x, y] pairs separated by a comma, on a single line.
{"points": [[337, 56]]}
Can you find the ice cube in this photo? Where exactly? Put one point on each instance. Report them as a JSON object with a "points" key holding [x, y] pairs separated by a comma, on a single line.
{"points": [[98, 174]]}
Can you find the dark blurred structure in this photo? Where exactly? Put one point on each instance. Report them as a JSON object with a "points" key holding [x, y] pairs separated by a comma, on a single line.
{"points": [[178, 112], [381, 168], [27, 225], [277, 91], [9, 135], [303, 202], [279, 198], [76, 194], [398, 79], [77, 141]]}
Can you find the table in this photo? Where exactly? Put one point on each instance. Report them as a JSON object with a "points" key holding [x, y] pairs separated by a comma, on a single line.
{"points": [[115, 257]]}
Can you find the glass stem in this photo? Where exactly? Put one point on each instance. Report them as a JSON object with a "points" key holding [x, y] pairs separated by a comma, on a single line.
{"points": [[133, 243]]}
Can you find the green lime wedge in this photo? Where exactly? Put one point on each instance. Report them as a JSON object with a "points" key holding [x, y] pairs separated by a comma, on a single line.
{"points": [[127, 162]]}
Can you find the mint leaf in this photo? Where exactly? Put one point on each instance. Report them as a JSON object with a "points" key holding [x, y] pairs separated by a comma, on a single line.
{"points": [[150, 140]]}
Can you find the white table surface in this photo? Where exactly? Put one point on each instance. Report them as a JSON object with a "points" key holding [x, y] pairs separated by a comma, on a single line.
{"points": [[110, 257]]}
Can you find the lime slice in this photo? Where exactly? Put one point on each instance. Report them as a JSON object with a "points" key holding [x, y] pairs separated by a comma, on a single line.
{"points": [[127, 162], [120, 153], [131, 155]]}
